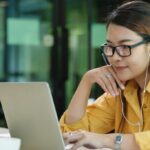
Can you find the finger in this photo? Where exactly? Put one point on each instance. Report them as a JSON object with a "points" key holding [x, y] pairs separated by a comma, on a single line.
{"points": [[102, 85], [108, 84], [109, 81], [78, 144], [66, 134], [116, 78], [73, 138], [113, 83], [83, 142]]}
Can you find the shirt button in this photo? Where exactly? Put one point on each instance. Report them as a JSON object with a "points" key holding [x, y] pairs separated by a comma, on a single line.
{"points": [[144, 106]]}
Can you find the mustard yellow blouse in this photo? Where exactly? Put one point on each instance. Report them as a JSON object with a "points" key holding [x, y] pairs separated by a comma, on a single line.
{"points": [[105, 115]]}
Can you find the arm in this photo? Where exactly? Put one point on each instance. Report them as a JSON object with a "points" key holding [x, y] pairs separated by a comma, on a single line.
{"points": [[93, 140], [128, 142], [79, 102], [77, 107]]}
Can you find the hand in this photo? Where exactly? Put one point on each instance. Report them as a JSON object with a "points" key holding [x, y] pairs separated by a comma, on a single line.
{"points": [[106, 78], [87, 139]]}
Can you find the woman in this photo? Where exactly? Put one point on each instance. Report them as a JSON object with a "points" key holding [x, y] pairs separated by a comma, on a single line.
{"points": [[125, 106]]}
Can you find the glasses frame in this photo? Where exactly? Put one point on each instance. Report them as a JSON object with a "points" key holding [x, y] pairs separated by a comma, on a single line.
{"points": [[146, 39]]}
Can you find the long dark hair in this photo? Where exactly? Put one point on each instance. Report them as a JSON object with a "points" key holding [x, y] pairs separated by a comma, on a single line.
{"points": [[135, 16]]}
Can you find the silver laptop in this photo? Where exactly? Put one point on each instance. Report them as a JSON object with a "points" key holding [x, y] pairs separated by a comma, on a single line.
{"points": [[31, 115]]}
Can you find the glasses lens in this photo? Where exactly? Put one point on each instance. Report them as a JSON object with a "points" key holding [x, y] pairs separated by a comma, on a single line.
{"points": [[108, 50], [123, 50]]}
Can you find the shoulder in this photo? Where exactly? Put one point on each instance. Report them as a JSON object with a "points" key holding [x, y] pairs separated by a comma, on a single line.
{"points": [[106, 99]]}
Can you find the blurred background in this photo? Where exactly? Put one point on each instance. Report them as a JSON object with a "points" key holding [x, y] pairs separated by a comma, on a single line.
{"points": [[55, 41]]}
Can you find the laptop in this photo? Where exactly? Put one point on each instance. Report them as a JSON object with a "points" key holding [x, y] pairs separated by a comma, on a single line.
{"points": [[30, 115]]}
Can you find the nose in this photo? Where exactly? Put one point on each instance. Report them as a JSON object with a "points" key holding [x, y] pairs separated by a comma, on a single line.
{"points": [[116, 56]]}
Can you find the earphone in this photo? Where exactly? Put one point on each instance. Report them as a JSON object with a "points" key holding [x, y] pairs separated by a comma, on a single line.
{"points": [[139, 124], [105, 59]]}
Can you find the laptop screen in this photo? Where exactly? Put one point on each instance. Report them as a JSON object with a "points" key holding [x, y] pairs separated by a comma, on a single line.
{"points": [[30, 114]]}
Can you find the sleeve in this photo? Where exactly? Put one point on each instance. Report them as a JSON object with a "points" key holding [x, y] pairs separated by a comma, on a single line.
{"points": [[143, 139], [99, 117]]}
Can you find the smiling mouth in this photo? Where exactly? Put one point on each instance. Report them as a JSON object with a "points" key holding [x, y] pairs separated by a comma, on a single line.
{"points": [[120, 68]]}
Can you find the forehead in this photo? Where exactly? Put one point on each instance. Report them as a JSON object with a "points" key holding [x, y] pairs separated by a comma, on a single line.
{"points": [[117, 33]]}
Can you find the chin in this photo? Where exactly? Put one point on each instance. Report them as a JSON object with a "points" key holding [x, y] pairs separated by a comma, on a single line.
{"points": [[124, 78]]}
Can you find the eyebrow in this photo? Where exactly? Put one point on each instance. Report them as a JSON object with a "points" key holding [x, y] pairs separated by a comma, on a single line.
{"points": [[121, 41]]}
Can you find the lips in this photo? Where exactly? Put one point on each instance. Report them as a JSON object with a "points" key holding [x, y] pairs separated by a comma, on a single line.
{"points": [[120, 68]]}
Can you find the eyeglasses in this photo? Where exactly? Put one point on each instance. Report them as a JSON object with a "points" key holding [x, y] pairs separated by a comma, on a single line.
{"points": [[122, 50]]}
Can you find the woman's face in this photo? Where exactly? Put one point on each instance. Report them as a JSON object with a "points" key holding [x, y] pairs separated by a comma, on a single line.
{"points": [[133, 66]]}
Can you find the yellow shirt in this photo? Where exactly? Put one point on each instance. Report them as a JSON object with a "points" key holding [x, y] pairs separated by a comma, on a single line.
{"points": [[105, 114]]}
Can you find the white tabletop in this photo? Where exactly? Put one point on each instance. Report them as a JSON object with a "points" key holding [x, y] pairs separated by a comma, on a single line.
{"points": [[4, 132]]}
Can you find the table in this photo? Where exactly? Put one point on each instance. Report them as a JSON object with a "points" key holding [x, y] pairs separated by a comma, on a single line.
{"points": [[4, 132]]}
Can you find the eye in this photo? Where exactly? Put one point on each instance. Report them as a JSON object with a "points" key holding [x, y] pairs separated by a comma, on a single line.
{"points": [[123, 50]]}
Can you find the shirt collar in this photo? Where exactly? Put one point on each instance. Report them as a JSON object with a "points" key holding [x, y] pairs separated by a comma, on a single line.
{"points": [[130, 92], [132, 86]]}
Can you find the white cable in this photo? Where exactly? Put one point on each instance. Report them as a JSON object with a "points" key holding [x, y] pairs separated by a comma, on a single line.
{"points": [[129, 122], [145, 81]]}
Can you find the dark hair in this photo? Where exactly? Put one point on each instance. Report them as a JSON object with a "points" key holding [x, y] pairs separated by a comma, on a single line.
{"points": [[134, 15]]}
